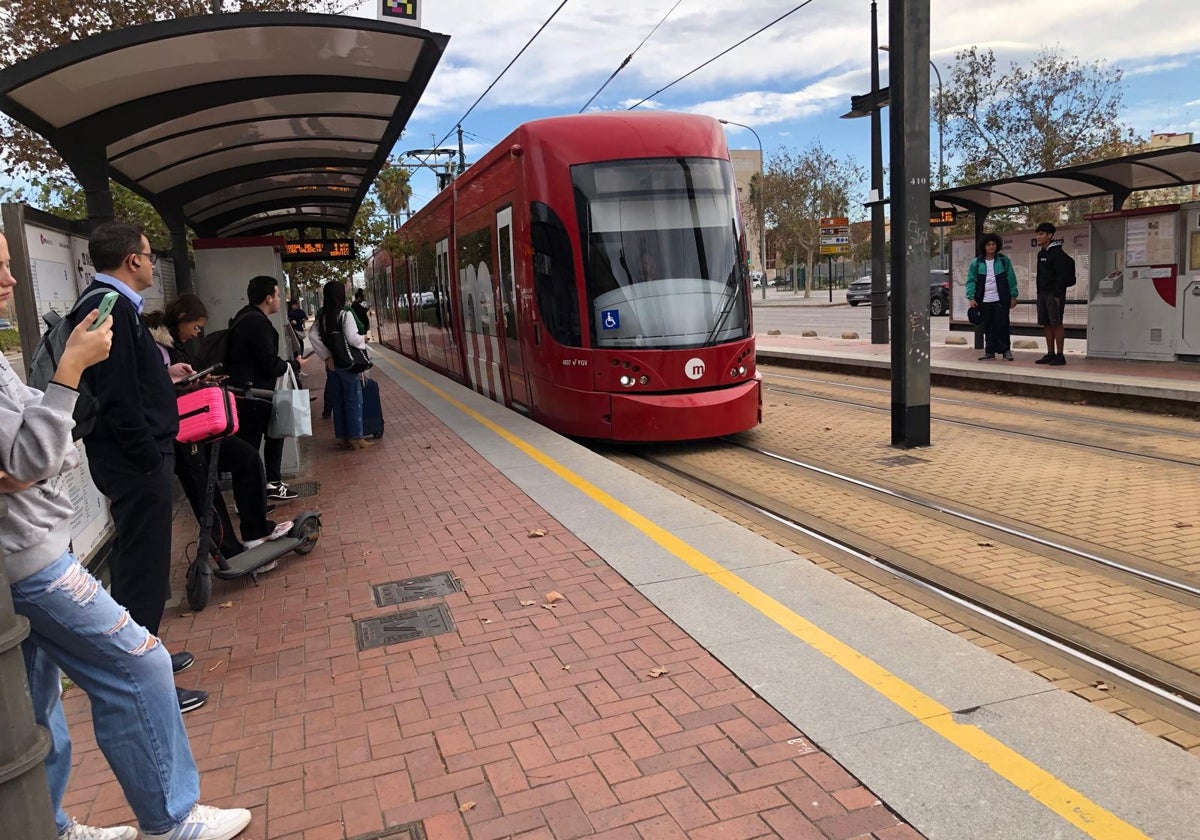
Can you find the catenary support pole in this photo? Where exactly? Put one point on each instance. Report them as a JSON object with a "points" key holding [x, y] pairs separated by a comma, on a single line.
{"points": [[879, 307], [908, 24]]}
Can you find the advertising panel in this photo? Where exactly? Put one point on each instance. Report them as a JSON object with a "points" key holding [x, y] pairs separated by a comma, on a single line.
{"points": [[1021, 247]]}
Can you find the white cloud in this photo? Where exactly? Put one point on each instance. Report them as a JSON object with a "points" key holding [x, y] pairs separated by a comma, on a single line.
{"points": [[1160, 67]]}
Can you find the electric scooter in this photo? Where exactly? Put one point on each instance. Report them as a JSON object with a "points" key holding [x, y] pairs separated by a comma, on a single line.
{"points": [[209, 562]]}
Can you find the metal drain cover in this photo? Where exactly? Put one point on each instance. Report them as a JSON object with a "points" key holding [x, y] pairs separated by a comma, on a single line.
{"points": [[403, 627], [901, 461], [408, 831], [415, 589]]}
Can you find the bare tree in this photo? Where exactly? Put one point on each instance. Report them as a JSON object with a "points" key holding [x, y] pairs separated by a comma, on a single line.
{"points": [[798, 190]]}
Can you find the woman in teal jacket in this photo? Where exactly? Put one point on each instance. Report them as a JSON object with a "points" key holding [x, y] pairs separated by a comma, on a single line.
{"points": [[992, 286]]}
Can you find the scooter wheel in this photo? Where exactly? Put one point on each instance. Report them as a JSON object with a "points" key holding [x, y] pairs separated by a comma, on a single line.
{"points": [[310, 532], [199, 584]]}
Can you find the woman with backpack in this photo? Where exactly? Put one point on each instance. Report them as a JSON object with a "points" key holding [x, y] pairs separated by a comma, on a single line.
{"points": [[345, 388], [992, 287]]}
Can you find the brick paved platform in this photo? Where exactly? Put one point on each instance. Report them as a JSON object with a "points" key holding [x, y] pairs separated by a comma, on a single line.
{"points": [[596, 717]]}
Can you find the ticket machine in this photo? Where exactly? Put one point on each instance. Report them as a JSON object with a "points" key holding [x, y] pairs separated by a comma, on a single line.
{"points": [[1139, 272], [1187, 296]]}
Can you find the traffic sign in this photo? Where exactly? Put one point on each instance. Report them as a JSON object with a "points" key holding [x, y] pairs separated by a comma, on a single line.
{"points": [[833, 250], [835, 221]]}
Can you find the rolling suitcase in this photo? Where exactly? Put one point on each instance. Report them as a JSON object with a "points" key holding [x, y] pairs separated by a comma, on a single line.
{"points": [[372, 410]]}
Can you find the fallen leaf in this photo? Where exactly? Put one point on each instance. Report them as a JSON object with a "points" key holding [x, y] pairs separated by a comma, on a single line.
{"points": [[538, 532], [546, 606], [829, 428], [466, 806], [985, 545], [1183, 525], [553, 597], [1103, 686], [184, 615], [218, 665], [528, 603], [566, 667], [658, 672], [487, 621], [226, 605]]}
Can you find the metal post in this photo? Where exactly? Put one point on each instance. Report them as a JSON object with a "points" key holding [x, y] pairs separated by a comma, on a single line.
{"points": [[909, 123], [24, 793], [879, 307], [941, 163], [462, 158], [762, 210]]}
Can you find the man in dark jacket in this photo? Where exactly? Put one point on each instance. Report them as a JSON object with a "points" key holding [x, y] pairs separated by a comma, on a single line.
{"points": [[253, 360], [130, 450], [1055, 272], [361, 311]]}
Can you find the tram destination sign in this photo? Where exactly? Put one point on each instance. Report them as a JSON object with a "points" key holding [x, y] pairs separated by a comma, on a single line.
{"points": [[319, 250]]}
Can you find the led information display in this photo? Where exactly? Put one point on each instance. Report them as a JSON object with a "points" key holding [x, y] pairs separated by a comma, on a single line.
{"points": [[318, 250]]}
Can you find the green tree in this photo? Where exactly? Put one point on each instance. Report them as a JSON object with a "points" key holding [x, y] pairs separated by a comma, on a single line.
{"points": [[392, 186], [800, 188], [1048, 114]]}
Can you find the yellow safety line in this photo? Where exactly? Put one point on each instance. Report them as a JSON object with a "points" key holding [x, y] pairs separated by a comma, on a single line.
{"points": [[1043, 786]]}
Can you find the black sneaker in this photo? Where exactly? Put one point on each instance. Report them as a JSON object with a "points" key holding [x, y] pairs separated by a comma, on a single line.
{"points": [[181, 661], [1046, 360], [986, 356], [1058, 361], [190, 700], [279, 490], [1008, 356]]}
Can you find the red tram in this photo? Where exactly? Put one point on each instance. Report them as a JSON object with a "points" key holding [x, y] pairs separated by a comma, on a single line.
{"points": [[590, 272]]}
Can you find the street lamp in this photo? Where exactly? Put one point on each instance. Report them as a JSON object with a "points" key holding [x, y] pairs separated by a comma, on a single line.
{"points": [[762, 227], [941, 164]]}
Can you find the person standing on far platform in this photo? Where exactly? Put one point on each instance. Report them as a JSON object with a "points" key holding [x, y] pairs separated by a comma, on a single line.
{"points": [[992, 286], [1055, 272]]}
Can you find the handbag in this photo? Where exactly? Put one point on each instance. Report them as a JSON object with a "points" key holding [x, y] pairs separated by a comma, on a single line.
{"points": [[291, 410], [345, 355], [206, 414]]}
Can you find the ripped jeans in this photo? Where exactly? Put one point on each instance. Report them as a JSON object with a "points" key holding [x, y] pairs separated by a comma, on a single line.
{"points": [[75, 625]]}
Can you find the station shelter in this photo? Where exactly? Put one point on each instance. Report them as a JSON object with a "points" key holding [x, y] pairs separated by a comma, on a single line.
{"points": [[1137, 294]]}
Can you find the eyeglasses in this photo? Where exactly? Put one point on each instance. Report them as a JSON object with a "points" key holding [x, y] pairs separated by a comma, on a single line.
{"points": [[153, 257]]}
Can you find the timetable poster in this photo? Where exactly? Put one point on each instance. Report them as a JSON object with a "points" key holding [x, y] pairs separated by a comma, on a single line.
{"points": [[60, 268]]}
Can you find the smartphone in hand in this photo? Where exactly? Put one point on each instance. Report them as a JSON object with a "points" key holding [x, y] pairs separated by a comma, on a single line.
{"points": [[106, 306]]}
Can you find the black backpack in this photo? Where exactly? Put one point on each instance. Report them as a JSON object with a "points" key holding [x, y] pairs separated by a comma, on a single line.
{"points": [[213, 349], [1069, 264], [44, 362]]}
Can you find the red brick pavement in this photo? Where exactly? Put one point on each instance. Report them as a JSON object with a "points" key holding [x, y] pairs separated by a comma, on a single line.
{"points": [[525, 723]]}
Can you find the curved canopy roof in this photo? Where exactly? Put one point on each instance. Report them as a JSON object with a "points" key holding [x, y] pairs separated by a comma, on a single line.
{"points": [[243, 123], [1170, 167]]}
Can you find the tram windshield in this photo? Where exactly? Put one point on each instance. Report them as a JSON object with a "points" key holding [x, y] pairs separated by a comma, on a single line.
{"points": [[662, 244]]}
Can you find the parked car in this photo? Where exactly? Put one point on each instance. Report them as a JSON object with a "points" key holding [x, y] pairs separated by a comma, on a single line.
{"points": [[5, 324], [939, 291]]}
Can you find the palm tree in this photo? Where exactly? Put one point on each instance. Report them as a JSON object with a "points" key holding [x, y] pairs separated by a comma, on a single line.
{"points": [[394, 190]]}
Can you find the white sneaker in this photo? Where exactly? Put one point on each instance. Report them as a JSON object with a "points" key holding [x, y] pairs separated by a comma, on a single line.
{"points": [[281, 530], [204, 822], [78, 831]]}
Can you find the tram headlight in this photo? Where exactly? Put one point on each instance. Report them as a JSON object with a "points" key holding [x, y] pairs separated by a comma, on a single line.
{"points": [[627, 381], [643, 379], [741, 370]]}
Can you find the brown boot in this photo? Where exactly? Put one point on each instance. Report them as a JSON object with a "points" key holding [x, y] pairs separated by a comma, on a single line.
{"points": [[361, 443], [344, 443]]}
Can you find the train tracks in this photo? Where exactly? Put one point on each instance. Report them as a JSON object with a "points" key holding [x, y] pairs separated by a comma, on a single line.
{"points": [[917, 554]]}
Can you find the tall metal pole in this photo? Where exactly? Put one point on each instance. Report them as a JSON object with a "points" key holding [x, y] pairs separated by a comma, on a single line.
{"points": [[941, 162], [762, 211], [909, 122], [879, 308]]}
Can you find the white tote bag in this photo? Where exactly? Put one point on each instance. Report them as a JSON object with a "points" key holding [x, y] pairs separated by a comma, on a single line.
{"points": [[291, 409]]}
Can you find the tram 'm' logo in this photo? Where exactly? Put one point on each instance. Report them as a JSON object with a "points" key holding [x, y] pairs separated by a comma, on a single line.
{"points": [[693, 368]]}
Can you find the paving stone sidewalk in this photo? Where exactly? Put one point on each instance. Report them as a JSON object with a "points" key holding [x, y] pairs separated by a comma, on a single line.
{"points": [[596, 717]]}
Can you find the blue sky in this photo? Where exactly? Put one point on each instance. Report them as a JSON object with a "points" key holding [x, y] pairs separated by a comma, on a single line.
{"points": [[791, 82]]}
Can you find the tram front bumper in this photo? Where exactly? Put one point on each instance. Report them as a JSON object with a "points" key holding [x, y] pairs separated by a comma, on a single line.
{"points": [[647, 418]]}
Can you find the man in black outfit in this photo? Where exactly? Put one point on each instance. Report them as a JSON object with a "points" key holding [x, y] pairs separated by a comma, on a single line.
{"points": [[1055, 272], [361, 309], [253, 360], [130, 450]]}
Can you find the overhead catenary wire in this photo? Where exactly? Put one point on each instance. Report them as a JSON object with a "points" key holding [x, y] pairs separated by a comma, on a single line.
{"points": [[629, 57], [458, 122], [730, 49]]}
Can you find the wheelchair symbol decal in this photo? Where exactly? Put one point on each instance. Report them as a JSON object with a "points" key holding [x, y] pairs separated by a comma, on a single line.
{"points": [[610, 319]]}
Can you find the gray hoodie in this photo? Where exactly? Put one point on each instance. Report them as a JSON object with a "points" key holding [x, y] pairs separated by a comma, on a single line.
{"points": [[35, 446]]}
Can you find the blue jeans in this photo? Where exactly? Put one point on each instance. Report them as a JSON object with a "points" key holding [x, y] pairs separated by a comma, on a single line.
{"points": [[126, 672], [346, 391]]}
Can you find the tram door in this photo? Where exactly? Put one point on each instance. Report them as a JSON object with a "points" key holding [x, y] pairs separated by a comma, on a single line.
{"points": [[518, 384]]}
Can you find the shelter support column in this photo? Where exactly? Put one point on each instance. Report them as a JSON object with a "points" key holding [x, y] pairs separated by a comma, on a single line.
{"points": [[91, 170], [179, 248]]}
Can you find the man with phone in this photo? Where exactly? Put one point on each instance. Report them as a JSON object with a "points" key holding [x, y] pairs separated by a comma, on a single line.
{"points": [[131, 451]]}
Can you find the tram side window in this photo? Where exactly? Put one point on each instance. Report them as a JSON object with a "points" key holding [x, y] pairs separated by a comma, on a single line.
{"points": [[554, 276]]}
